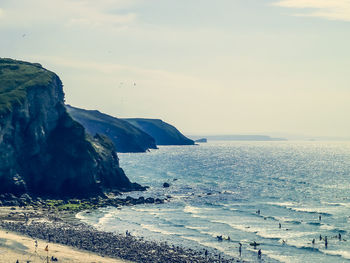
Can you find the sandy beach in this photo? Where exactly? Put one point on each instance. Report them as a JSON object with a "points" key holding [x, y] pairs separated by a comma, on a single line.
{"points": [[15, 247]]}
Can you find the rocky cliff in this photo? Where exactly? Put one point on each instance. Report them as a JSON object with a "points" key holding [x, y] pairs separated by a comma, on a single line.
{"points": [[125, 136], [162, 132], [43, 151]]}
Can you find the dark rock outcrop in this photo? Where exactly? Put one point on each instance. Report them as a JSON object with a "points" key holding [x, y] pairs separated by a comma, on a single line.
{"points": [[162, 132], [43, 151], [202, 140], [125, 136]]}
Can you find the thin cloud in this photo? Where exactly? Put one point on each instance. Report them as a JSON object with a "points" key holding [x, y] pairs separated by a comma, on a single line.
{"points": [[328, 9], [70, 13]]}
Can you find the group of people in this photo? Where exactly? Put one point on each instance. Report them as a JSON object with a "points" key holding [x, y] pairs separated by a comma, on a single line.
{"points": [[254, 244], [339, 236]]}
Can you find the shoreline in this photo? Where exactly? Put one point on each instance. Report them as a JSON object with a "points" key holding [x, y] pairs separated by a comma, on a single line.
{"points": [[62, 228]]}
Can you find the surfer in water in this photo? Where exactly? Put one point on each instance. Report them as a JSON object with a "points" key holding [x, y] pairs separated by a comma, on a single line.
{"points": [[254, 244], [240, 249]]}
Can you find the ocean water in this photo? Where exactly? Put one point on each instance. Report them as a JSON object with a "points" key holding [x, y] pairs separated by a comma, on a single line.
{"points": [[217, 189]]}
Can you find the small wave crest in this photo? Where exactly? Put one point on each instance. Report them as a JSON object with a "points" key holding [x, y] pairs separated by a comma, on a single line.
{"points": [[152, 228]]}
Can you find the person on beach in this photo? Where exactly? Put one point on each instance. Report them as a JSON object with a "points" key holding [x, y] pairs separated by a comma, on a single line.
{"points": [[259, 254]]}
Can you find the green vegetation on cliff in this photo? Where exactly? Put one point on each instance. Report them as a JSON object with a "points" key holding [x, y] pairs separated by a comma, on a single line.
{"points": [[16, 77]]}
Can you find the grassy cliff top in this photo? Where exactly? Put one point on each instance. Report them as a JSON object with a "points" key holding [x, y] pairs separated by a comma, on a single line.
{"points": [[16, 77]]}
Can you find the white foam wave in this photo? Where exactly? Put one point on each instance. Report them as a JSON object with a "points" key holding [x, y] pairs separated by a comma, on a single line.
{"points": [[336, 204], [318, 210], [342, 253], [81, 216], [157, 230], [266, 233], [283, 204], [280, 258], [107, 217], [192, 238], [327, 227], [296, 207], [196, 227], [144, 209], [191, 209]]}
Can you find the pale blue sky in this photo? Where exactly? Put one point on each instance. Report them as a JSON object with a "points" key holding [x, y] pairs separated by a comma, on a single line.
{"points": [[209, 67]]}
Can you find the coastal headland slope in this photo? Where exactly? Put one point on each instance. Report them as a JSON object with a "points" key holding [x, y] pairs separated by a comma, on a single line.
{"points": [[126, 137], [164, 133]]}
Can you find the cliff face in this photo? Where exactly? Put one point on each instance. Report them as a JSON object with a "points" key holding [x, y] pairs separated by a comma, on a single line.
{"points": [[42, 150], [125, 136], [162, 132]]}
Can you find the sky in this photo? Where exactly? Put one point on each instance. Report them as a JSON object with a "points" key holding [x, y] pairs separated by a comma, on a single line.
{"points": [[207, 67]]}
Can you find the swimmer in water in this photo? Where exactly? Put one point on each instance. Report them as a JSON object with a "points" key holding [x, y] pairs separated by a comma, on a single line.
{"points": [[259, 254]]}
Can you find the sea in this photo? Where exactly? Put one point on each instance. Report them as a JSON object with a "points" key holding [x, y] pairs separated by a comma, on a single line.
{"points": [[281, 195]]}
